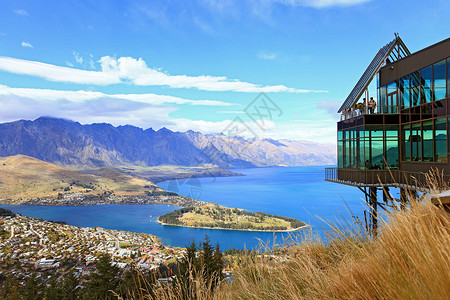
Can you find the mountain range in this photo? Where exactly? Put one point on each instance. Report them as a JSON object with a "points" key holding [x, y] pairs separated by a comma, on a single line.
{"points": [[66, 142]]}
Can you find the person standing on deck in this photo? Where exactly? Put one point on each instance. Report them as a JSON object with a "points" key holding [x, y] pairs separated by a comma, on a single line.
{"points": [[372, 105]]}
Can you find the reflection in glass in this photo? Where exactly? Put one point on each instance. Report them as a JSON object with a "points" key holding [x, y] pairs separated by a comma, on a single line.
{"points": [[382, 99], [347, 154], [427, 136], [425, 87], [406, 143], [416, 142], [404, 92], [415, 87], [377, 153], [391, 154], [448, 76], [440, 136], [439, 80]]}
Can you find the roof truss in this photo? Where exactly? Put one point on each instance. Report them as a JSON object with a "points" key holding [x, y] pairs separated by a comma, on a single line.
{"points": [[393, 51]]}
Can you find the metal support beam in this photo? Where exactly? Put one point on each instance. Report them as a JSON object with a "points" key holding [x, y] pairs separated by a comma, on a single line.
{"points": [[374, 210], [403, 198]]}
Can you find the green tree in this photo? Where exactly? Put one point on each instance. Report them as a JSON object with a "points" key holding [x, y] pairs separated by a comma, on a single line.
{"points": [[104, 280], [53, 291], [69, 287], [207, 262], [218, 263], [10, 289], [32, 289]]}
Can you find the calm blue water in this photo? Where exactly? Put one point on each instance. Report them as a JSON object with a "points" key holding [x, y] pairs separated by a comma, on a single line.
{"points": [[298, 192]]}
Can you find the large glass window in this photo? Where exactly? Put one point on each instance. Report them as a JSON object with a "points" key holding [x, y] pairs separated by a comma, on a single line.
{"points": [[427, 137], [448, 77], [439, 80], [382, 99], [406, 142], [416, 142], [404, 92], [415, 88], [425, 86], [347, 162], [391, 146], [340, 154], [440, 127], [360, 154]]}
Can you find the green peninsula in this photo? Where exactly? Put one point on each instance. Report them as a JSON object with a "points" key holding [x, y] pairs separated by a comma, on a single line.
{"points": [[219, 217]]}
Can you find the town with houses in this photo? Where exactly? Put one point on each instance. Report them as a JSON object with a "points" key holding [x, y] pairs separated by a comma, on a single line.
{"points": [[83, 199], [54, 247]]}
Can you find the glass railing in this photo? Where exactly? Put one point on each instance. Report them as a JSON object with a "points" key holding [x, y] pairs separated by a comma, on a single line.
{"points": [[356, 112], [378, 177]]}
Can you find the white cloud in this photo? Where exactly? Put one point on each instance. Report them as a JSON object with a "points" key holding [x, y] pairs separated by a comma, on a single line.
{"points": [[320, 3], [69, 64], [26, 45], [267, 55], [231, 112], [20, 12], [56, 73], [330, 106], [146, 110], [80, 96], [320, 131], [135, 71], [117, 112], [78, 58]]}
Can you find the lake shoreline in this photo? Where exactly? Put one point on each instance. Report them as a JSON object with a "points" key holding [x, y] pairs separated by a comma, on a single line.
{"points": [[256, 230]]}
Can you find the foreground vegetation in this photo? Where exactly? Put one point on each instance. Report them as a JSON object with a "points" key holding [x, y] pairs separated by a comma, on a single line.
{"points": [[408, 260], [215, 216]]}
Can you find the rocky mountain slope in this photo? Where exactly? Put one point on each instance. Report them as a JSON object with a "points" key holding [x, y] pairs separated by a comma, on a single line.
{"points": [[65, 142]]}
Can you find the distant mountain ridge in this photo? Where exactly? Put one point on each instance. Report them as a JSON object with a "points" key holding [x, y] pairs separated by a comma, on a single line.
{"points": [[67, 142]]}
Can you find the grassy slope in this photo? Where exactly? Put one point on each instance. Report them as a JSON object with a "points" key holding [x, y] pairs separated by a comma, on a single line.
{"points": [[26, 177], [410, 260]]}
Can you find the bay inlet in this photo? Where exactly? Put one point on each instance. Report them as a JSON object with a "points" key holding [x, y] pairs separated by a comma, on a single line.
{"points": [[297, 192]]}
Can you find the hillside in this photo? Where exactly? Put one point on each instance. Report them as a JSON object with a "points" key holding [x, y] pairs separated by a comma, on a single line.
{"points": [[68, 143], [24, 177], [219, 217]]}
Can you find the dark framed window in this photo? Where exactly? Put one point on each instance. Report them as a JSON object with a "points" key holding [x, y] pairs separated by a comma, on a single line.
{"points": [[427, 144], [405, 92], [426, 75], [406, 141], [440, 139], [439, 81], [415, 88], [416, 142]]}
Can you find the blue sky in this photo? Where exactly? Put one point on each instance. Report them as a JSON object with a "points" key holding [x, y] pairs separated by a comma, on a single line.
{"points": [[197, 64]]}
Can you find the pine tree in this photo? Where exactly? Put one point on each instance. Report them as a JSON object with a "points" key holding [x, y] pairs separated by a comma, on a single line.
{"points": [[69, 287], [104, 280], [33, 288], [218, 263], [53, 291], [207, 258]]}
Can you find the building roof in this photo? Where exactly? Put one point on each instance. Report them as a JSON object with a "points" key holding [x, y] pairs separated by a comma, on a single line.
{"points": [[393, 51]]}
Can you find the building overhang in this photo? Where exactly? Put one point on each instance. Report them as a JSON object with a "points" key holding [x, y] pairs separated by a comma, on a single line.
{"points": [[414, 62], [393, 51]]}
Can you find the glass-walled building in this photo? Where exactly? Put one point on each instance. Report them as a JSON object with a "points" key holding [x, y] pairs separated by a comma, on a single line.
{"points": [[405, 130]]}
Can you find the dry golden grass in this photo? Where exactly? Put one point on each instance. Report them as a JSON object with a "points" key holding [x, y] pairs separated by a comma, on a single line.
{"points": [[24, 177], [409, 259]]}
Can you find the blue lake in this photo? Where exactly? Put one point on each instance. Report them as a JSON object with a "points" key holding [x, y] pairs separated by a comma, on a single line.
{"points": [[298, 192]]}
